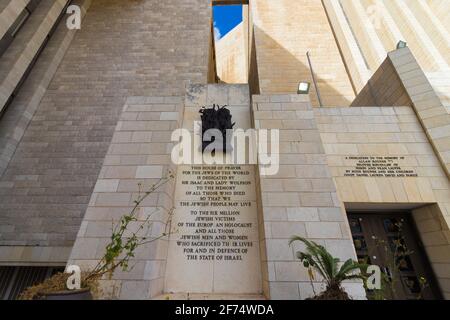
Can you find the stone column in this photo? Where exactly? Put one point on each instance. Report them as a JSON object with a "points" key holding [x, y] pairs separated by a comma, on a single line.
{"points": [[139, 154], [300, 200]]}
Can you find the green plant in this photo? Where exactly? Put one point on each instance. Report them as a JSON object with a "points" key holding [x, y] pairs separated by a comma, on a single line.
{"points": [[317, 258], [122, 246], [128, 234]]}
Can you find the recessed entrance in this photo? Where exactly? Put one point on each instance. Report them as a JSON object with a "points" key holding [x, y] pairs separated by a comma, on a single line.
{"points": [[391, 242]]}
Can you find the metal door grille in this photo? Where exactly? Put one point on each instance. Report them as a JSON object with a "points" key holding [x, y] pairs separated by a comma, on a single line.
{"points": [[13, 280]]}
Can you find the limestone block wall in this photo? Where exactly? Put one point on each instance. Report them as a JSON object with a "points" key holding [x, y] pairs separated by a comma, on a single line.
{"points": [[428, 105], [213, 279], [139, 154], [401, 81], [300, 199], [384, 88], [394, 132], [9, 11], [231, 56], [17, 116], [439, 8], [124, 48], [21, 52], [367, 30], [284, 31]]}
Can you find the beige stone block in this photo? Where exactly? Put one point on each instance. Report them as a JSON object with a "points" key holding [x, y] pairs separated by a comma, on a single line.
{"points": [[286, 230], [425, 190], [284, 291], [284, 115], [323, 230], [291, 185], [269, 106], [146, 116], [353, 137], [149, 172], [307, 290], [263, 115], [298, 124], [373, 149], [341, 149], [344, 188], [122, 137], [113, 199], [372, 190], [385, 188], [329, 138], [275, 214], [342, 249], [302, 214], [124, 149], [275, 185], [359, 189], [323, 185], [312, 171], [288, 199], [157, 159], [399, 190], [271, 124], [411, 189], [138, 290], [169, 116], [279, 250], [106, 185], [316, 199], [141, 136], [291, 271], [285, 171], [119, 172], [331, 214]]}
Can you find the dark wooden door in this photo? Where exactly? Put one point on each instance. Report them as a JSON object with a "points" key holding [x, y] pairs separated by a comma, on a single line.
{"points": [[391, 242]]}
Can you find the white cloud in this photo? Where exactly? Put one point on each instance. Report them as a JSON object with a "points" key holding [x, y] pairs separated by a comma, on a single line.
{"points": [[217, 34]]}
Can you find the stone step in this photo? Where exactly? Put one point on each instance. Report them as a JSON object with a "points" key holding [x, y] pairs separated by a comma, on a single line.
{"points": [[209, 296]]}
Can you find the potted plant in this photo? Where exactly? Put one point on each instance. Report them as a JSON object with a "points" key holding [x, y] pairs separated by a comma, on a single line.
{"points": [[118, 252], [317, 258]]}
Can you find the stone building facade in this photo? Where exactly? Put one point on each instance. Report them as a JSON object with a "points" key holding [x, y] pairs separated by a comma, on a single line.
{"points": [[87, 115]]}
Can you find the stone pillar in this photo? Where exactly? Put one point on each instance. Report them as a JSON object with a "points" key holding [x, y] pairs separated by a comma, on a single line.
{"points": [[300, 200], [139, 154], [213, 248]]}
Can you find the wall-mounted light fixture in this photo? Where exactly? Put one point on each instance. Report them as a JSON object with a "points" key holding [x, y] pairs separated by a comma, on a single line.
{"points": [[401, 44], [303, 88]]}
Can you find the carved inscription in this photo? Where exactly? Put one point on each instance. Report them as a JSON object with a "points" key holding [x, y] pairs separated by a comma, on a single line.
{"points": [[216, 198], [373, 166]]}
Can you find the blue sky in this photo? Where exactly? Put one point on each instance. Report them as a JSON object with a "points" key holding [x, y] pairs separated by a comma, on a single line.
{"points": [[226, 18]]}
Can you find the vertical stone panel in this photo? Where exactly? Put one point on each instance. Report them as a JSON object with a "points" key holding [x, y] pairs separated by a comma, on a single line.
{"points": [[284, 32], [138, 157], [299, 200]]}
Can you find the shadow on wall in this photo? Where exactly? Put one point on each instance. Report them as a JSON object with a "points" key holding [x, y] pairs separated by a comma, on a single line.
{"points": [[384, 88], [253, 74], [45, 190], [279, 72]]}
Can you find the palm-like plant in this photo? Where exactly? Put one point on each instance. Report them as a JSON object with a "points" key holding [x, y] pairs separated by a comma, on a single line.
{"points": [[318, 258]]}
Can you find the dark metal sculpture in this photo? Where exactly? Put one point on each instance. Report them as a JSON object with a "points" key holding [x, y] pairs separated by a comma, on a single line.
{"points": [[216, 118]]}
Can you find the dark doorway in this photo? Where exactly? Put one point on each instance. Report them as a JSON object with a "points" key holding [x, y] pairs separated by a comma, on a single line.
{"points": [[391, 242]]}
